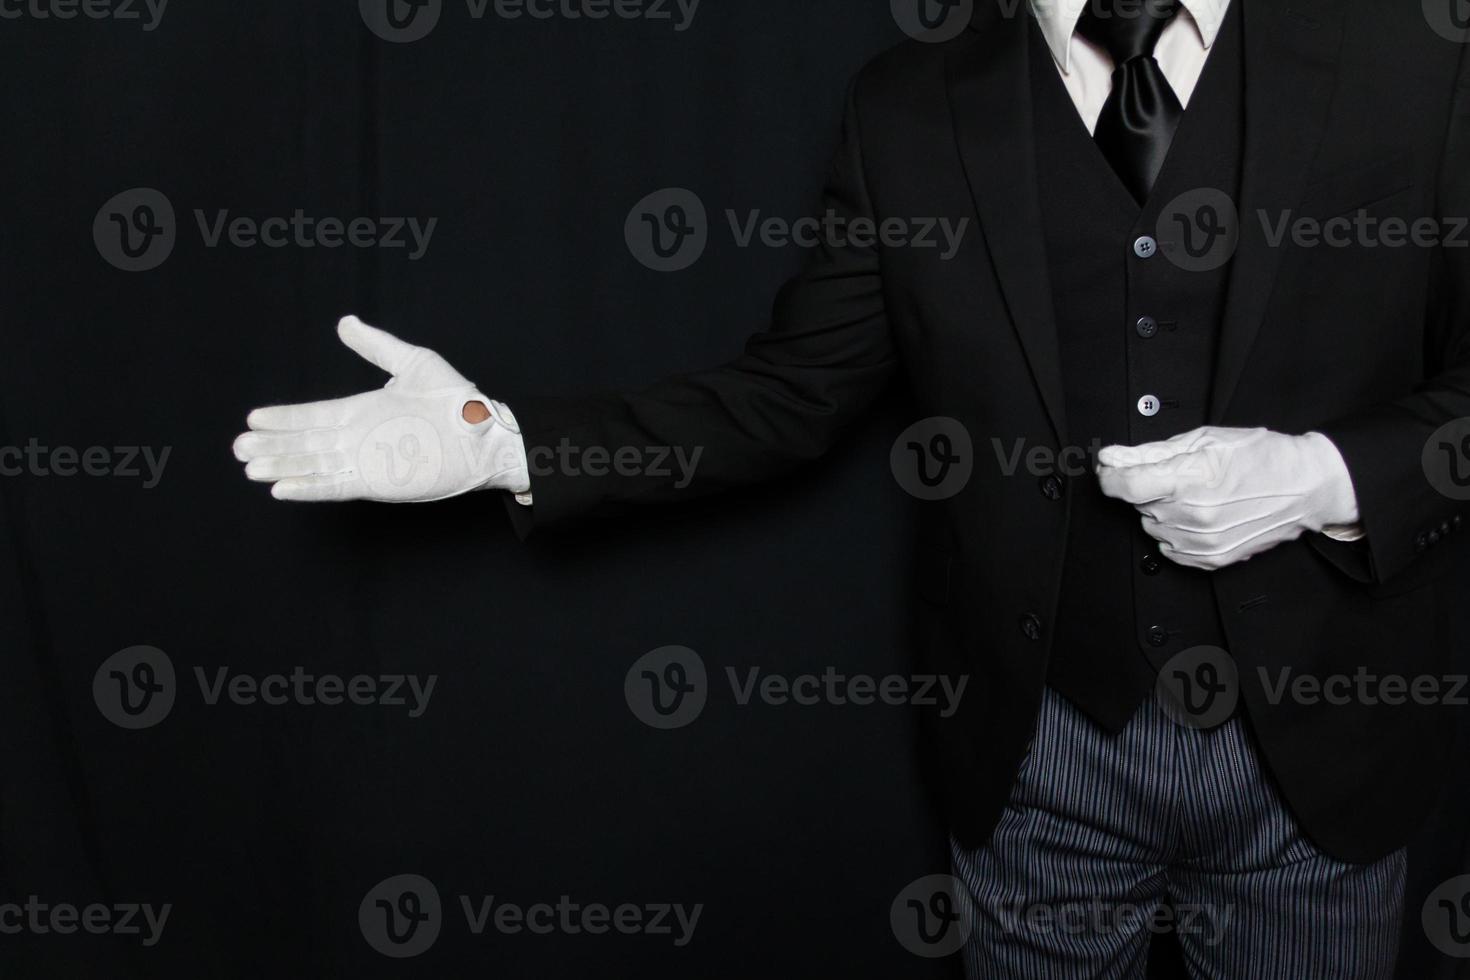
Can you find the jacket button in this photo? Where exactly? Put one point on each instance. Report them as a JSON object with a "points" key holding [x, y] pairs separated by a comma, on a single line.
{"points": [[1434, 537], [1031, 626], [1146, 326], [1157, 636], [1456, 521], [1444, 528], [1145, 246], [1151, 564], [1051, 487], [1421, 542]]}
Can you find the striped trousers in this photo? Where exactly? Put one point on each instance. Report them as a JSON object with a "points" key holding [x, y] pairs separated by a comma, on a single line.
{"points": [[1109, 840]]}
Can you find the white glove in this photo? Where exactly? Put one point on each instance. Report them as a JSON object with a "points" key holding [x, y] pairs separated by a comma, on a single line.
{"points": [[406, 442], [1214, 496]]}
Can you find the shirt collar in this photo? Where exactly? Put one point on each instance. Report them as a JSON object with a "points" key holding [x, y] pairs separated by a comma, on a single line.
{"points": [[1058, 20]]}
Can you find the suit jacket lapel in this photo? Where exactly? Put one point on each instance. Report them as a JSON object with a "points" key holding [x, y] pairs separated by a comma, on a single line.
{"points": [[1291, 52], [990, 97]]}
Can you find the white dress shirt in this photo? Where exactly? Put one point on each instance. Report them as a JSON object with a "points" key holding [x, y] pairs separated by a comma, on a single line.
{"points": [[1087, 70]]}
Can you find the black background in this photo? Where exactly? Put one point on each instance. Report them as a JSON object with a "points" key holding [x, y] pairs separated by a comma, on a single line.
{"points": [[528, 778]]}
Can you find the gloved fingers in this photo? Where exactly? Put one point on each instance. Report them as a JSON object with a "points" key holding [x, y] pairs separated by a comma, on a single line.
{"points": [[1122, 456], [1191, 550], [307, 415], [377, 346], [1141, 484], [1190, 561], [1155, 529], [323, 487], [1238, 497], [1176, 541], [253, 445], [1221, 549], [1210, 561], [271, 468], [1210, 519]]}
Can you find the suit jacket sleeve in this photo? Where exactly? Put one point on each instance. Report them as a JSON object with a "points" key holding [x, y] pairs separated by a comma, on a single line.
{"points": [[825, 357], [1383, 445]]}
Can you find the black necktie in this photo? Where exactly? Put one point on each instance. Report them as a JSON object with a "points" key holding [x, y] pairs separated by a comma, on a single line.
{"points": [[1139, 119]]}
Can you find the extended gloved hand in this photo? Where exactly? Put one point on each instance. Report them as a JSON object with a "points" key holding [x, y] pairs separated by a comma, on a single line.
{"points": [[407, 442], [1216, 496]]}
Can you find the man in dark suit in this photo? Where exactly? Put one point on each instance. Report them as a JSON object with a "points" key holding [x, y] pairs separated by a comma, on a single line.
{"points": [[1191, 655]]}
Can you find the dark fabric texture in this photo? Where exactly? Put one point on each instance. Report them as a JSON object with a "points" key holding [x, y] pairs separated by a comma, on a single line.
{"points": [[975, 339], [528, 777]]}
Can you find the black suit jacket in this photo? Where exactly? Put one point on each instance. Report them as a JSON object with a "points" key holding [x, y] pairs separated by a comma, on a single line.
{"points": [[1350, 104]]}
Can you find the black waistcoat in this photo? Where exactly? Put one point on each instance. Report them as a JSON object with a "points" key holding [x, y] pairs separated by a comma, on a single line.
{"points": [[1130, 328]]}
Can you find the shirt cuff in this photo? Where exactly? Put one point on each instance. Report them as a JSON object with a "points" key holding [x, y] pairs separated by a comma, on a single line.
{"points": [[1342, 532]]}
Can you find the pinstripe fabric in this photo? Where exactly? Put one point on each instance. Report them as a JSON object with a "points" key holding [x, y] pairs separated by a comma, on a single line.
{"points": [[1100, 831]]}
